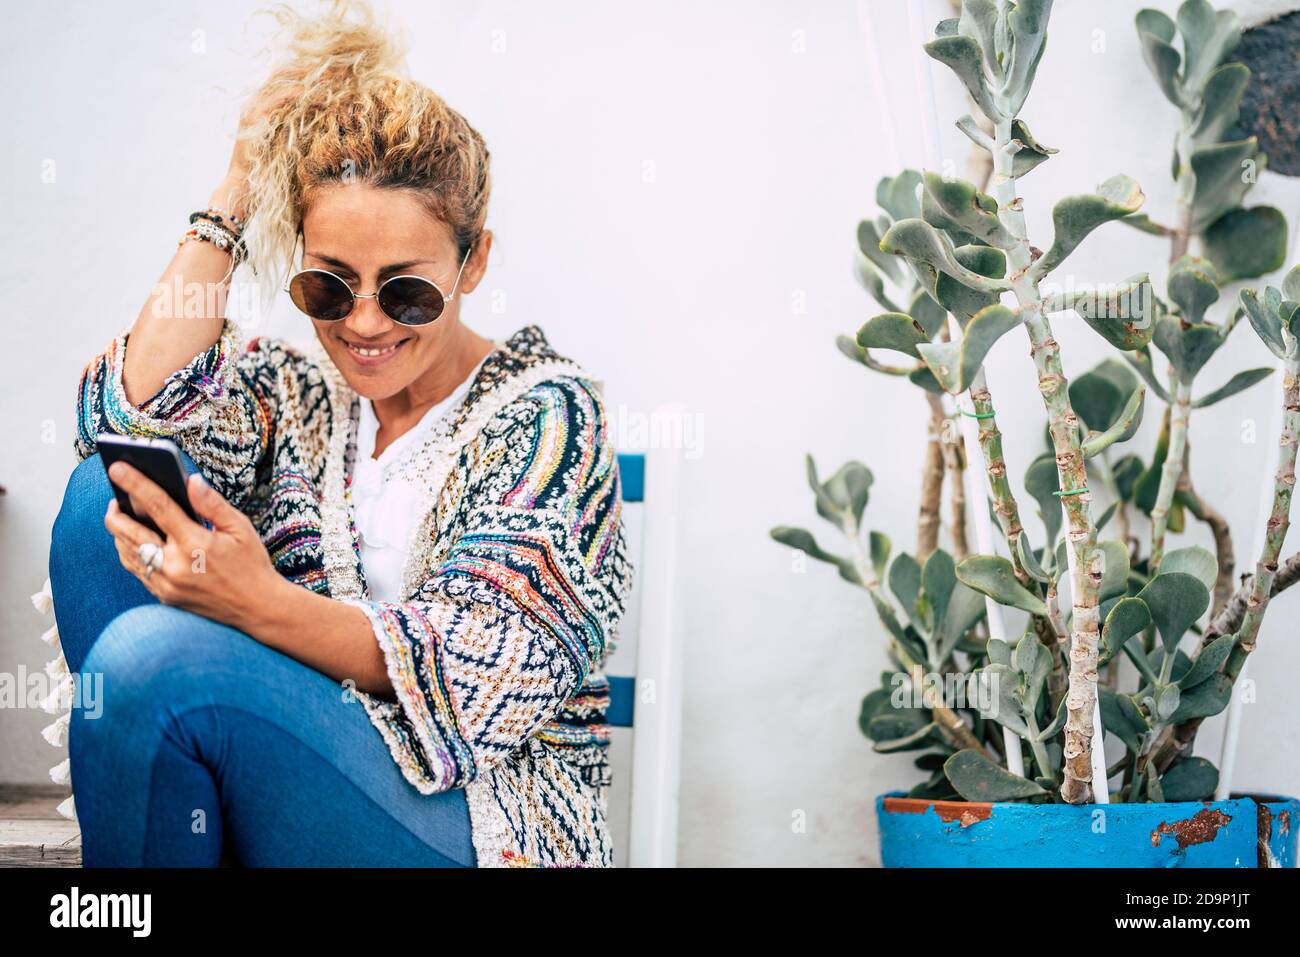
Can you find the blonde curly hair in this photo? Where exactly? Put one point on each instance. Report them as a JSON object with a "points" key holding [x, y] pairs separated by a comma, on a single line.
{"points": [[341, 109]]}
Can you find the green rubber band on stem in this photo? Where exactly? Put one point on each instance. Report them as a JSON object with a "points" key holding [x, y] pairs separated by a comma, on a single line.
{"points": [[1073, 491], [977, 415]]}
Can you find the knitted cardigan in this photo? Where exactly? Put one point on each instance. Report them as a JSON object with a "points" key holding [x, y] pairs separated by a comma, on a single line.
{"points": [[515, 582]]}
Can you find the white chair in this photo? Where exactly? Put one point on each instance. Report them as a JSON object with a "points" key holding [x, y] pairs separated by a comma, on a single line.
{"points": [[645, 672]]}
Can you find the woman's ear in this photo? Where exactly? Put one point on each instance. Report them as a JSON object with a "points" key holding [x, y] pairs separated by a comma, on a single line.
{"points": [[478, 262]]}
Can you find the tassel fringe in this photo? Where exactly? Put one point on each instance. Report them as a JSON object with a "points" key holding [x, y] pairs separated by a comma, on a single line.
{"points": [[68, 809], [44, 599]]}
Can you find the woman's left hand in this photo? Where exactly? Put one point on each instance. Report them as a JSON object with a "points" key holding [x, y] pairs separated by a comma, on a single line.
{"points": [[217, 572]]}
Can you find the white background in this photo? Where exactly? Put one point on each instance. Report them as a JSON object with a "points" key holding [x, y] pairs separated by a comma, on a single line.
{"points": [[677, 189]]}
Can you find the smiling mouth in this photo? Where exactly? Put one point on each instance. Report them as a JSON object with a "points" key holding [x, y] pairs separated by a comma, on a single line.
{"points": [[372, 355]]}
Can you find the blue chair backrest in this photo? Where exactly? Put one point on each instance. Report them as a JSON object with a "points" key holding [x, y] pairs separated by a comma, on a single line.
{"points": [[622, 688]]}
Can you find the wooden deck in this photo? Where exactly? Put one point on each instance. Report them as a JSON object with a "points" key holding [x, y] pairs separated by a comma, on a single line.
{"points": [[32, 832]]}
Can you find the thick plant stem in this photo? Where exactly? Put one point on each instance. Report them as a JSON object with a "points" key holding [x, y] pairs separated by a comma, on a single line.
{"points": [[1179, 413], [1177, 742], [1244, 616], [950, 724], [1081, 696], [1279, 520], [954, 457], [995, 467], [1219, 528], [927, 519]]}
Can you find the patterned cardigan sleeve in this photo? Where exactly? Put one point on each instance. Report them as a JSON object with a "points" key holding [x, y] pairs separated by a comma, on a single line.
{"points": [[220, 409], [524, 603]]}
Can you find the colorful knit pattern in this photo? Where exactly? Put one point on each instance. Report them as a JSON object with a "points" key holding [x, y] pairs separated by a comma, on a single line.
{"points": [[518, 574]]}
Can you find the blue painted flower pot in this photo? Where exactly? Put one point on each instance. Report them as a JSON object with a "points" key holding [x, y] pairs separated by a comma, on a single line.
{"points": [[1242, 832]]}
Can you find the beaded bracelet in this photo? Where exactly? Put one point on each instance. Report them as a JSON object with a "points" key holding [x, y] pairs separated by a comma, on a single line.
{"points": [[204, 230], [220, 217]]}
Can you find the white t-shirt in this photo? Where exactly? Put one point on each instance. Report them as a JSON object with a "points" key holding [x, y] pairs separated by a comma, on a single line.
{"points": [[388, 503]]}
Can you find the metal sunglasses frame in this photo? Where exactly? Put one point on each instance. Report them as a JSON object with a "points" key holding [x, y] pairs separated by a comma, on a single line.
{"points": [[446, 297]]}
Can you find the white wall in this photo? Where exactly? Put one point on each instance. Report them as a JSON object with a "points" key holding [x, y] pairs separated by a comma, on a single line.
{"points": [[677, 190]]}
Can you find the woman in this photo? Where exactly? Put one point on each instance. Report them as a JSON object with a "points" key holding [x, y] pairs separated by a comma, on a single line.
{"points": [[412, 528]]}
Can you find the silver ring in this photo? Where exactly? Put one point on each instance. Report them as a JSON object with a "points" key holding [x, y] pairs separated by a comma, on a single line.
{"points": [[151, 557]]}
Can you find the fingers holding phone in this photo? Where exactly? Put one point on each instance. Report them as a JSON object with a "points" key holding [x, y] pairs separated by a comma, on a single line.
{"points": [[139, 549]]}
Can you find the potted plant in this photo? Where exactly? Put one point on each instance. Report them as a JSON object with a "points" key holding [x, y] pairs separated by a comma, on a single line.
{"points": [[1112, 621]]}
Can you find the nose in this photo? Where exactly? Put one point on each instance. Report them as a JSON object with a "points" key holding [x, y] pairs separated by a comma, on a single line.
{"points": [[367, 320]]}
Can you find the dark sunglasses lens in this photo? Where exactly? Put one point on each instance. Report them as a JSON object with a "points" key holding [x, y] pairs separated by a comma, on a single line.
{"points": [[321, 295], [410, 300]]}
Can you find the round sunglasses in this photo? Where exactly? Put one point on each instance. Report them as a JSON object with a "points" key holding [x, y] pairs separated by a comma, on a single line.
{"points": [[410, 300]]}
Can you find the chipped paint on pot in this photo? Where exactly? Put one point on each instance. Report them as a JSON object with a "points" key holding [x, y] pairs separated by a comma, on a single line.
{"points": [[1241, 832]]}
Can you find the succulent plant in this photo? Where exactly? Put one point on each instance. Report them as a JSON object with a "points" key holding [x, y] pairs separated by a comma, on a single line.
{"points": [[954, 270]]}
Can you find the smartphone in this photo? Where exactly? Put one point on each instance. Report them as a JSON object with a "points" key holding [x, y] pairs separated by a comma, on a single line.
{"points": [[158, 459]]}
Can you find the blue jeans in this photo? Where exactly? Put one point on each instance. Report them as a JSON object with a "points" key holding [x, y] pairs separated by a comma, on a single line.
{"points": [[203, 746]]}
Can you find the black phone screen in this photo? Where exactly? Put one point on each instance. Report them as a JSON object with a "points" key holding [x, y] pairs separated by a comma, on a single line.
{"points": [[158, 459]]}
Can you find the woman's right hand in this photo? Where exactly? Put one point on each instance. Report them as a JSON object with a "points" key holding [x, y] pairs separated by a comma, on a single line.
{"points": [[234, 188]]}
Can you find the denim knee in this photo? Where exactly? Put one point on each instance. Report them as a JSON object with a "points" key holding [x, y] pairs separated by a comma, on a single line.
{"points": [[85, 500], [145, 661]]}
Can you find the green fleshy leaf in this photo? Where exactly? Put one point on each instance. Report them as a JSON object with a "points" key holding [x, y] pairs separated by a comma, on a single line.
{"points": [[1156, 33], [924, 378], [1076, 216], [1140, 359], [1191, 779], [965, 607], [1128, 617], [979, 21], [905, 583], [869, 245], [894, 724], [1042, 482], [1209, 38], [1221, 102], [897, 195], [1123, 429], [956, 364], [1145, 224], [1031, 154], [918, 241], [1265, 321], [976, 778], [1207, 663], [1123, 314], [1238, 383], [1176, 600], [1205, 700], [1114, 569], [1246, 243], [962, 55], [873, 281], [880, 549], [896, 331], [1291, 284], [929, 314], [1099, 395], [1220, 183], [970, 126], [1196, 561], [1187, 347], [1120, 717], [1034, 662], [1027, 23], [850, 489], [993, 575], [999, 652], [938, 579], [803, 540], [961, 300], [956, 205], [1193, 285]]}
